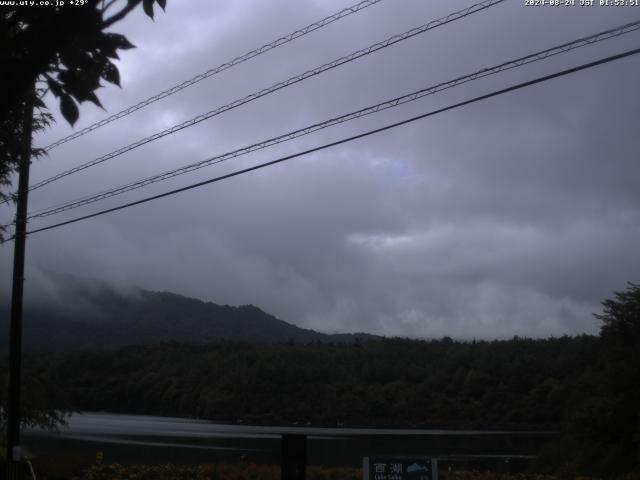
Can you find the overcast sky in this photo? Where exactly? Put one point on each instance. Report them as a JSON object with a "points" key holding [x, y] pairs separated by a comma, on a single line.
{"points": [[512, 216]]}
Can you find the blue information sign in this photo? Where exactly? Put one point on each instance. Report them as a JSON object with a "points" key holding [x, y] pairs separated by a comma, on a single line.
{"points": [[399, 468]]}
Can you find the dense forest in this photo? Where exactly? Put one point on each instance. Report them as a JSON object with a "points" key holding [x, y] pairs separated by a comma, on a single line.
{"points": [[515, 384], [553, 384]]}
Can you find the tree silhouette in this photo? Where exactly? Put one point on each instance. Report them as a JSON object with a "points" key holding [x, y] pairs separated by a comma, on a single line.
{"points": [[64, 50], [602, 433], [621, 343], [621, 319]]}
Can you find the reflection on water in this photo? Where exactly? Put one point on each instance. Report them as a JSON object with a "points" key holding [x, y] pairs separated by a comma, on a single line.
{"points": [[136, 439]]}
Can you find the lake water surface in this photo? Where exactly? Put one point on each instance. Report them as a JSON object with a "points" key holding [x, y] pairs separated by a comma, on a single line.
{"points": [[137, 439]]}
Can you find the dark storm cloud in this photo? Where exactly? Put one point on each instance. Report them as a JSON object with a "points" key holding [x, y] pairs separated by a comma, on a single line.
{"points": [[516, 215]]}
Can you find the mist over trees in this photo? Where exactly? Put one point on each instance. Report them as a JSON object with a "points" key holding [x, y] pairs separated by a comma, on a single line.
{"points": [[85, 314]]}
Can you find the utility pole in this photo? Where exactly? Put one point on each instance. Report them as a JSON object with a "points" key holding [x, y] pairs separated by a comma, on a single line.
{"points": [[15, 335], [293, 464]]}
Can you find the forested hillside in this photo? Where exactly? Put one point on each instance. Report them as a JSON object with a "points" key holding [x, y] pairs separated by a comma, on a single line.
{"points": [[91, 314]]}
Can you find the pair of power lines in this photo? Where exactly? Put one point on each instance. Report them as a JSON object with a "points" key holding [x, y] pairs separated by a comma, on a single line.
{"points": [[454, 16]]}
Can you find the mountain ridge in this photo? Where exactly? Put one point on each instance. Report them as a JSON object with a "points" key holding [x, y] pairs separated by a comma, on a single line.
{"points": [[90, 314]]}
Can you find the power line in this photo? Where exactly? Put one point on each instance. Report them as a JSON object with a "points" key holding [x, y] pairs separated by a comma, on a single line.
{"points": [[534, 57], [278, 86], [220, 68], [348, 139]]}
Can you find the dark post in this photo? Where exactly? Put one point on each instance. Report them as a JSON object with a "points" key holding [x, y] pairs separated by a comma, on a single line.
{"points": [[15, 335], [294, 457]]}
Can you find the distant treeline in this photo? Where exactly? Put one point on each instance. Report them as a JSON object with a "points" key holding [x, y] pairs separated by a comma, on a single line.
{"points": [[518, 383]]}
